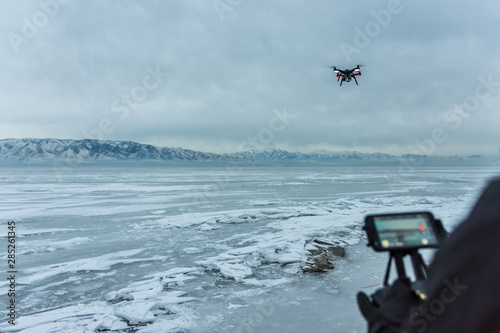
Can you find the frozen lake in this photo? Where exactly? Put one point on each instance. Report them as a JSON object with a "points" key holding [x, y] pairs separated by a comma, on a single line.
{"points": [[205, 249]]}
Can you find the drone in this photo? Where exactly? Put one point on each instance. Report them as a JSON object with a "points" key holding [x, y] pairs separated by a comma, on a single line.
{"points": [[347, 74]]}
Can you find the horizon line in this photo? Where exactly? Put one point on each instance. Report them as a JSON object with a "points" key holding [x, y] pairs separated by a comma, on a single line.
{"points": [[255, 150]]}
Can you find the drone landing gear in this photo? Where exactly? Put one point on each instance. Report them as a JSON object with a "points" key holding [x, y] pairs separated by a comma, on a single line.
{"points": [[355, 80]]}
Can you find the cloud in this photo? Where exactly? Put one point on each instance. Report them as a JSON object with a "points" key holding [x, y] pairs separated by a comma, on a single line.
{"points": [[229, 70]]}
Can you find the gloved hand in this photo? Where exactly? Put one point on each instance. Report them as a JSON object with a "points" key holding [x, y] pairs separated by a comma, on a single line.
{"points": [[391, 309]]}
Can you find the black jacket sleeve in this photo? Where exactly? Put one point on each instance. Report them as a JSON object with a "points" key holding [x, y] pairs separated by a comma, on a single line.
{"points": [[463, 287]]}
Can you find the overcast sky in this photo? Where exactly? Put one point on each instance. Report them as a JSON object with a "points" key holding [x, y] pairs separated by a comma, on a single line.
{"points": [[228, 75]]}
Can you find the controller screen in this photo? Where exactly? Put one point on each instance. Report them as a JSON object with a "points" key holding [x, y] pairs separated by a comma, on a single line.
{"points": [[397, 231]]}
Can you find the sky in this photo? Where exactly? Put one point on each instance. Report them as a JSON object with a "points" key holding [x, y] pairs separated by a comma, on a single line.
{"points": [[230, 75]]}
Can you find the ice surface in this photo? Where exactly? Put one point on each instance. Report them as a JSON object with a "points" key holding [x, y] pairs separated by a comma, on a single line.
{"points": [[100, 263], [206, 249]]}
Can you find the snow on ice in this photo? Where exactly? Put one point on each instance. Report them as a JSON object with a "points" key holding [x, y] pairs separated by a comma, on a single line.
{"points": [[120, 249]]}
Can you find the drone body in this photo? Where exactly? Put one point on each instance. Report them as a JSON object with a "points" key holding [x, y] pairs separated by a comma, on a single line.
{"points": [[347, 74]]}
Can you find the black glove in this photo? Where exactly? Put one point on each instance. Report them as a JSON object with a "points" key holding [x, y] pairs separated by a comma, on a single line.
{"points": [[391, 307]]}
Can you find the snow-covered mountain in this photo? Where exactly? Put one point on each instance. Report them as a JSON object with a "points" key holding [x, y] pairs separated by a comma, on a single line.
{"points": [[88, 150], [278, 154]]}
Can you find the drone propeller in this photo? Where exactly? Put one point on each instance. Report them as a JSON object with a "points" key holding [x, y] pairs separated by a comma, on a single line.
{"points": [[354, 67]]}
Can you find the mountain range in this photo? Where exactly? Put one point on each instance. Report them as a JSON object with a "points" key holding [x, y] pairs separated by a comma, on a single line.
{"points": [[88, 150]]}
